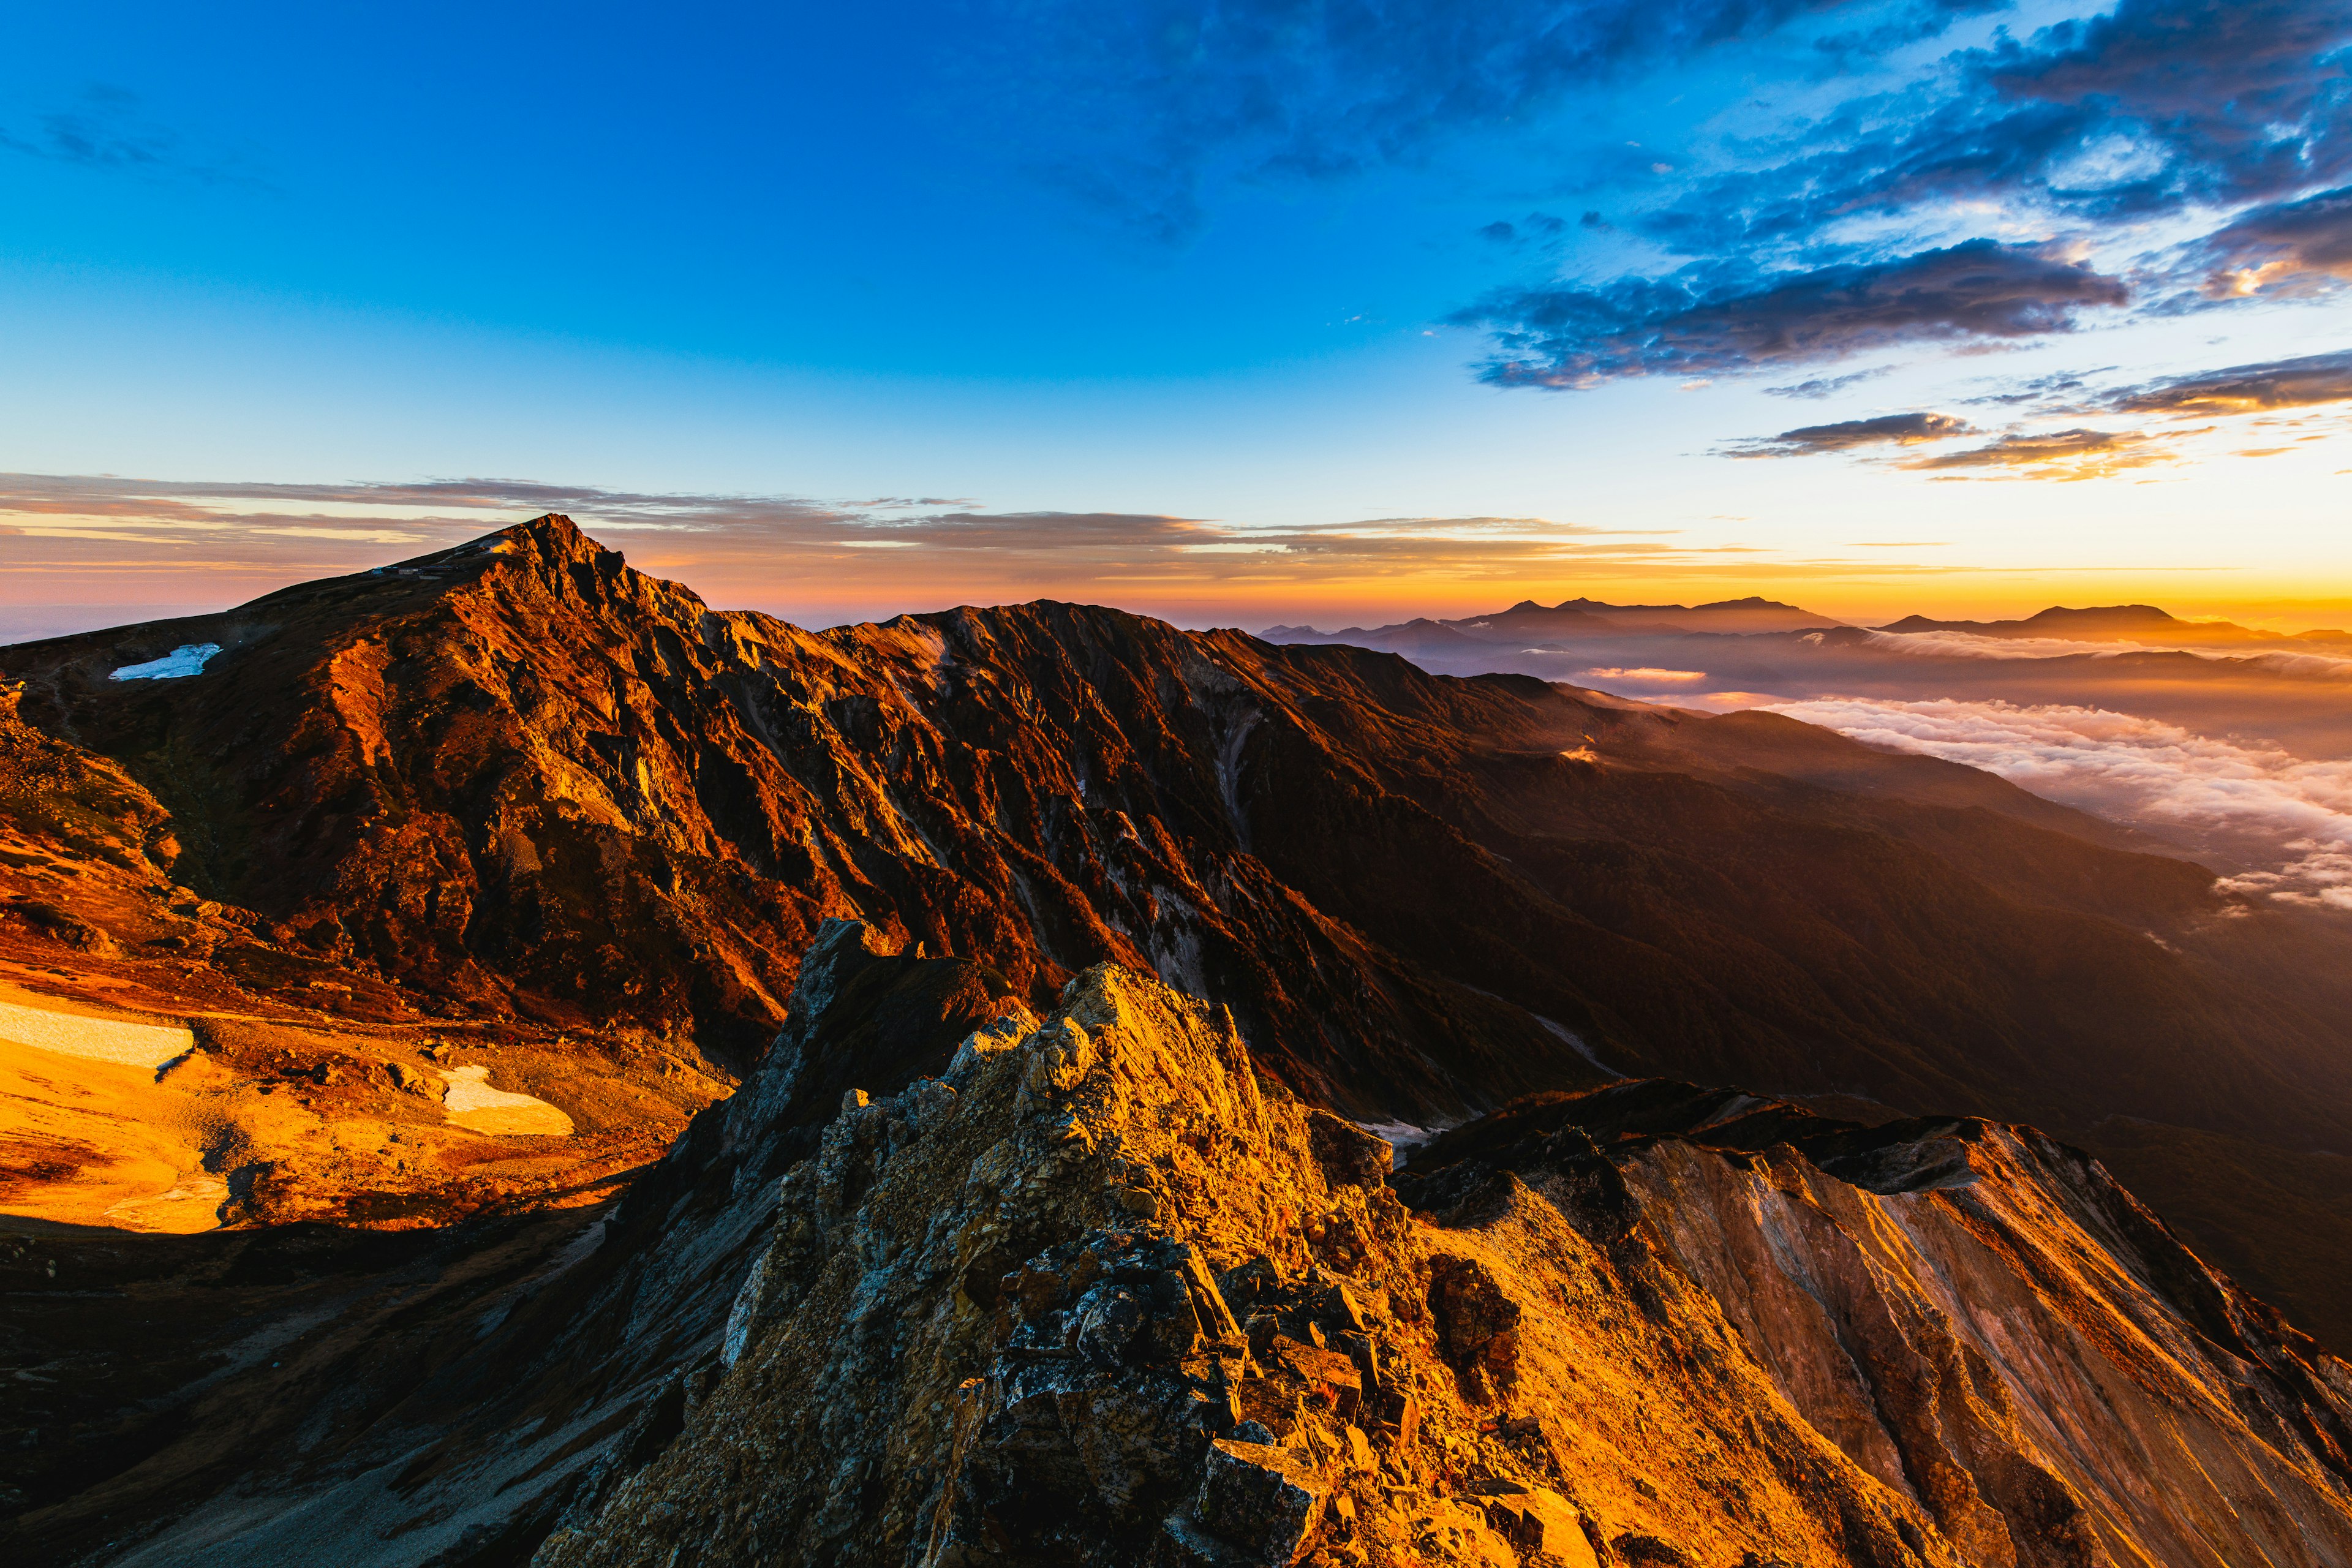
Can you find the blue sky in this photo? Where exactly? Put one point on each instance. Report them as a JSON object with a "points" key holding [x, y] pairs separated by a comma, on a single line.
{"points": [[1884, 304]]}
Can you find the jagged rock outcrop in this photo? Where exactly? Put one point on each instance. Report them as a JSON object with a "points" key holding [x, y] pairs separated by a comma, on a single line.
{"points": [[949, 1283], [1979, 1316], [1098, 1294]]}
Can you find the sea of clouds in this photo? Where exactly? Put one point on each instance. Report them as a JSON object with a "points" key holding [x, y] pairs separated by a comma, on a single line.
{"points": [[2282, 825]]}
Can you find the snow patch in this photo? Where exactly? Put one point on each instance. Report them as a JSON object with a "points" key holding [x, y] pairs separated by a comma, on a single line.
{"points": [[1403, 1137], [193, 1205], [1576, 1042], [473, 1104], [188, 658], [101, 1039], [1229, 772]]}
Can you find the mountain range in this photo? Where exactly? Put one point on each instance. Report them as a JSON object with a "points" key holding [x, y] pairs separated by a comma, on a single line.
{"points": [[1574, 619], [513, 819]]}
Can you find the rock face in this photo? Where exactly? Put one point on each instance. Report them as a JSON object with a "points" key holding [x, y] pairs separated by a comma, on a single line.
{"points": [[1977, 1316], [949, 1283], [1106, 1298]]}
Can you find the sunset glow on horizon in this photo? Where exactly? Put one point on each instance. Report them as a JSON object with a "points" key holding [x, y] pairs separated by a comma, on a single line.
{"points": [[1881, 307]]}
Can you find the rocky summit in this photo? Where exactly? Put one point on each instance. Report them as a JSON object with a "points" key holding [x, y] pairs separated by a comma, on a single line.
{"points": [[1091, 1287]]}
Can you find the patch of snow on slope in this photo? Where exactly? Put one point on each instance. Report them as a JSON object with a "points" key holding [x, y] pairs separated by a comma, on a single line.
{"points": [[188, 658], [1575, 1041], [473, 1104], [1402, 1136], [103, 1040]]}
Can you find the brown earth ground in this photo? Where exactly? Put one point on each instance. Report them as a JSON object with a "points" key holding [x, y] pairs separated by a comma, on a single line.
{"points": [[314, 1100]]}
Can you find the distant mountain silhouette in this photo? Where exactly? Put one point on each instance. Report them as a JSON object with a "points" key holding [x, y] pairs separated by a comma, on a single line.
{"points": [[1570, 619]]}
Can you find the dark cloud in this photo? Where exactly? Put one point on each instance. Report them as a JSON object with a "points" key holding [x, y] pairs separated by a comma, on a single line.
{"points": [[1823, 386], [2243, 388], [1577, 337], [2082, 452], [2289, 249], [1846, 435], [2243, 99], [2158, 105], [1535, 228], [2154, 108]]}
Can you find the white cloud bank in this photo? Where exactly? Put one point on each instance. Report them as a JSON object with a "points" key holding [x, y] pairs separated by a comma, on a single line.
{"points": [[1972, 645], [2289, 820]]}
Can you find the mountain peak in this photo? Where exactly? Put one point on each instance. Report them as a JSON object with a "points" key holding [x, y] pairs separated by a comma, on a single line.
{"points": [[2102, 615], [550, 534], [2091, 623]]}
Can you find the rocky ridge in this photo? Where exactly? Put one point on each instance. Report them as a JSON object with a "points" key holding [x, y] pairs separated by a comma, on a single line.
{"points": [[949, 1282], [1104, 1296]]}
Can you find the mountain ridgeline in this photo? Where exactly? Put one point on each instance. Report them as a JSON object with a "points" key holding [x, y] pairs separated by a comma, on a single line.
{"points": [[520, 777]]}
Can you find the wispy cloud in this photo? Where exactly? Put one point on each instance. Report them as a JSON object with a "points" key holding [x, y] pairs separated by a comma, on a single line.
{"points": [[2063, 455], [1820, 386], [133, 541], [106, 130], [1942, 643], [2053, 392], [1644, 674], [1138, 110]]}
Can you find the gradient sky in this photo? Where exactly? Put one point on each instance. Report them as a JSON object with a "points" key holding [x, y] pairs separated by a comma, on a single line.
{"points": [[1265, 309]]}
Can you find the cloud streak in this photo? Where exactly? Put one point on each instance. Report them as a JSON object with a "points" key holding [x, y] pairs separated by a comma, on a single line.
{"points": [[1850, 435], [2303, 383], [2080, 452], [1946, 644], [1816, 388], [123, 543], [2061, 456]]}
